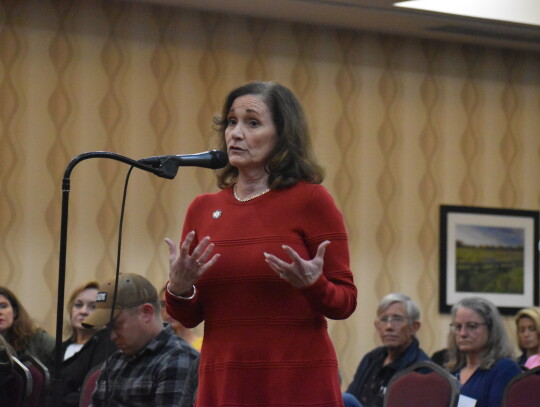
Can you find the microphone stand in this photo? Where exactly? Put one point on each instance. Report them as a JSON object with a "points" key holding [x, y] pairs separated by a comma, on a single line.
{"points": [[167, 170]]}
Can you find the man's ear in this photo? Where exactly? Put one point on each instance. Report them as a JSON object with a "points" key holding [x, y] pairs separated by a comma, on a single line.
{"points": [[147, 311], [416, 326]]}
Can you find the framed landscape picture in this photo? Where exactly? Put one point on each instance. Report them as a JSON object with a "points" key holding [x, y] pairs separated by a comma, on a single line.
{"points": [[489, 252]]}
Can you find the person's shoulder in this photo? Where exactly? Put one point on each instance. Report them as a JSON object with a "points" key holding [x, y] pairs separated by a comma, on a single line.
{"points": [[505, 367], [212, 195], [209, 198], [375, 352], [175, 355], [304, 187], [42, 338], [177, 345], [305, 193], [506, 363], [422, 355]]}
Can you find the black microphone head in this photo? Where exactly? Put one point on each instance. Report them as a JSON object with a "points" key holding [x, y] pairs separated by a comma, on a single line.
{"points": [[219, 159], [212, 159]]}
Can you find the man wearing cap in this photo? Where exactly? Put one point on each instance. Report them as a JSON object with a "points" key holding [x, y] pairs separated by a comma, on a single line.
{"points": [[151, 363]]}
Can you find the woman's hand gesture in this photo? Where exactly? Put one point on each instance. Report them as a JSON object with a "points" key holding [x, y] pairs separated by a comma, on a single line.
{"points": [[300, 273], [185, 269]]}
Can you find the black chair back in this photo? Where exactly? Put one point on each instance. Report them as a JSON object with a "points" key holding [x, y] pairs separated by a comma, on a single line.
{"points": [[22, 384], [41, 379]]}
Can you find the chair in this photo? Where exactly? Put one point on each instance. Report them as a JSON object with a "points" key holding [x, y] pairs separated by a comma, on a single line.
{"points": [[523, 390], [423, 384], [89, 385], [22, 384], [41, 379]]}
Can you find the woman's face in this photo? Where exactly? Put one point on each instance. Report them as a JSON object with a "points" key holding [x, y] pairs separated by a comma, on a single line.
{"points": [[470, 330], [528, 334], [83, 305], [250, 133], [7, 315]]}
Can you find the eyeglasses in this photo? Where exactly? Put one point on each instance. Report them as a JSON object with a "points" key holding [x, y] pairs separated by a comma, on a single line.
{"points": [[469, 326], [393, 320]]}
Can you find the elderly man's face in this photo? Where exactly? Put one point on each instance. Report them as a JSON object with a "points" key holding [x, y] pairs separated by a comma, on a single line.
{"points": [[395, 328]]}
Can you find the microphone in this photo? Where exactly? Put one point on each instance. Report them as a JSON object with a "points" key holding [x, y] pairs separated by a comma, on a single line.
{"points": [[212, 159]]}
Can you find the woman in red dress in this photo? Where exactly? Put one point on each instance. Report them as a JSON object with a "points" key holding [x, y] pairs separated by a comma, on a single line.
{"points": [[264, 262]]}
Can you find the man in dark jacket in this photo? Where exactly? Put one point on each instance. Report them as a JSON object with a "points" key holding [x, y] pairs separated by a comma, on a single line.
{"points": [[398, 320]]}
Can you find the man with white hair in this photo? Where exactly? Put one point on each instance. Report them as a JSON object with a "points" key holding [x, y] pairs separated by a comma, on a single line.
{"points": [[398, 320]]}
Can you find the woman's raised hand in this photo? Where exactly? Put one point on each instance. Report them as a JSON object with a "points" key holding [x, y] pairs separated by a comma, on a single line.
{"points": [[185, 269]]}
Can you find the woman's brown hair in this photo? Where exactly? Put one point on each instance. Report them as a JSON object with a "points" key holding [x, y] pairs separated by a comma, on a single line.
{"points": [[23, 326], [292, 159]]}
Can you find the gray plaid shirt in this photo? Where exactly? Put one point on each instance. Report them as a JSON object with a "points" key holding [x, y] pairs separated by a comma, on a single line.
{"points": [[154, 377]]}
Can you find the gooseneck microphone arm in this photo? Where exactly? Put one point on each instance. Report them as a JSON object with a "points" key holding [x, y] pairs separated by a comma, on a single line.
{"points": [[166, 169]]}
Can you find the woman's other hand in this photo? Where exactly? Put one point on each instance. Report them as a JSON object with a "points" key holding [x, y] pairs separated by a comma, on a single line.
{"points": [[185, 269], [300, 273]]}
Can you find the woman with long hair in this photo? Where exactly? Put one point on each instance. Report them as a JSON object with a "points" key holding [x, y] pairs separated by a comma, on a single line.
{"points": [[280, 266], [480, 355], [20, 331]]}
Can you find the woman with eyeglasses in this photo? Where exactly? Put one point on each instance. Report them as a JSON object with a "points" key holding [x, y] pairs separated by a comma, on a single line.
{"points": [[480, 354]]}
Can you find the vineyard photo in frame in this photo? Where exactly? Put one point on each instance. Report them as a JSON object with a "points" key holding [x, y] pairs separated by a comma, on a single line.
{"points": [[489, 252]]}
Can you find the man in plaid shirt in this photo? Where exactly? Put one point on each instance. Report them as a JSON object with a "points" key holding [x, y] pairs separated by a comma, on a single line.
{"points": [[151, 363]]}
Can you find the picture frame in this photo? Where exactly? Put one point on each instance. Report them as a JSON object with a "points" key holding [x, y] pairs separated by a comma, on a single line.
{"points": [[489, 252]]}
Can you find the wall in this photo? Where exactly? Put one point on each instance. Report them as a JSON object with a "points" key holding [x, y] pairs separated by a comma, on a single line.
{"points": [[402, 126]]}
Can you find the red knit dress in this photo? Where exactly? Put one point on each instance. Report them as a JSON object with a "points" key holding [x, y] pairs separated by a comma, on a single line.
{"points": [[265, 342]]}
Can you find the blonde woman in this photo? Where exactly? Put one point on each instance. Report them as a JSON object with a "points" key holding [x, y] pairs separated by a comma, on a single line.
{"points": [[85, 348], [528, 333]]}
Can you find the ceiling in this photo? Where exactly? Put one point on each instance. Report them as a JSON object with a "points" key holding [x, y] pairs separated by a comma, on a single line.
{"points": [[379, 16]]}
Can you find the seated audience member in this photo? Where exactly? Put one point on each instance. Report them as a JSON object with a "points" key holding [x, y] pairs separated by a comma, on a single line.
{"points": [[528, 333], [151, 363], [20, 332], [186, 334], [480, 355], [84, 348], [398, 320]]}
